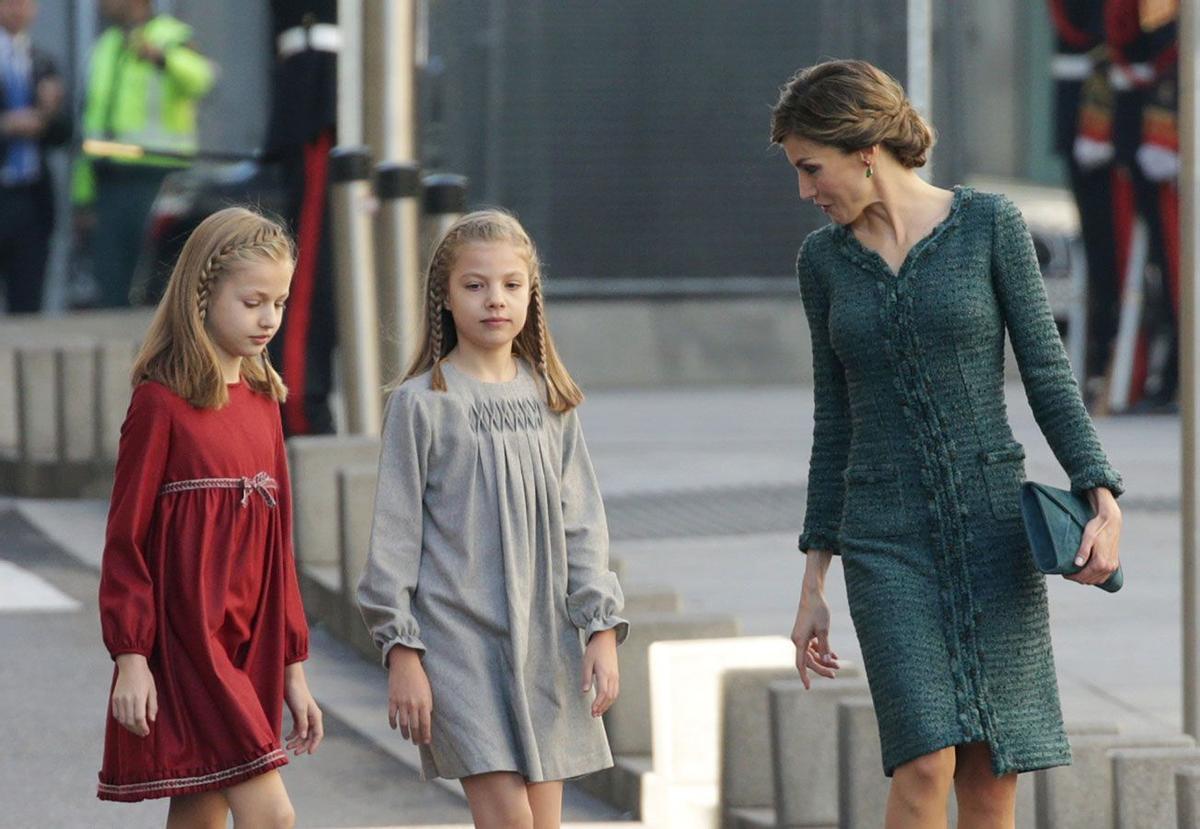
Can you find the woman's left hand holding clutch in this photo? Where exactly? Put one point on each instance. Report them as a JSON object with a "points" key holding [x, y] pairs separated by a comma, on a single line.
{"points": [[1098, 554]]}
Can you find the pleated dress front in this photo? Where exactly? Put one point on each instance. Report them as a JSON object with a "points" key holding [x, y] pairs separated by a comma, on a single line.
{"points": [[489, 555], [199, 577], [915, 475]]}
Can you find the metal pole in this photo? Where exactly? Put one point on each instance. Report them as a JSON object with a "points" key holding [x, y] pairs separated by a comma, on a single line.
{"points": [[445, 201], [391, 37], [350, 73], [397, 242], [919, 71], [357, 313], [1189, 357]]}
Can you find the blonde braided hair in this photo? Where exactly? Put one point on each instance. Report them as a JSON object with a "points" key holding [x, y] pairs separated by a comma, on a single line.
{"points": [[177, 351], [533, 343]]}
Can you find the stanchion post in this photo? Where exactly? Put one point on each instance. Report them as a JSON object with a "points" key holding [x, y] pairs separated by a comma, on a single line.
{"points": [[355, 296], [445, 200], [397, 237]]}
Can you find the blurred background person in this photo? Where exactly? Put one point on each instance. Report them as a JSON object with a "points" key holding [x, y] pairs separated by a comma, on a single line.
{"points": [[32, 117], [300, 134], [145, 80], [1078, 59]]}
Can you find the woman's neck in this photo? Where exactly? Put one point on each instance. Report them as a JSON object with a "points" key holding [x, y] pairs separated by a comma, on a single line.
{"points": [[491, 365], [902, 210]]}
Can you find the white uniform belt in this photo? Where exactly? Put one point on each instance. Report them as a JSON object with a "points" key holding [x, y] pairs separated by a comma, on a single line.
{"points": [[320, 37], [1071, 67], [1125, 78]]}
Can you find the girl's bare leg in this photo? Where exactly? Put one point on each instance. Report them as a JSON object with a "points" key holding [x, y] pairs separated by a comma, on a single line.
{"points": [[985, 801], [498, 800], [261, 803], [206, 810], [545, 799], [920, 790]]}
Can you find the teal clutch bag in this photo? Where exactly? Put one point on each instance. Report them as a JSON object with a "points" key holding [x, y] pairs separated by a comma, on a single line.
{"points": [[1054, 522]]}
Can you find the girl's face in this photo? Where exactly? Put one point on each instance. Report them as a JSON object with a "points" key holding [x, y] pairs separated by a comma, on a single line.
{"points": [[833, 180], [488, 294], [245, 310]]}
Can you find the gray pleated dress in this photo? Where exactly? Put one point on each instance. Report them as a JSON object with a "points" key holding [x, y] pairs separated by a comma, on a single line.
{"points": [[489, 553]]}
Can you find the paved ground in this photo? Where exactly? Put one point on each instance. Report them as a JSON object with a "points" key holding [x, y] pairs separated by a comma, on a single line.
{"points": [[705, 493]]}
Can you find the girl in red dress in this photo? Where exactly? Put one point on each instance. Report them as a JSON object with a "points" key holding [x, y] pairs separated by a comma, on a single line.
{"points": [[199, 602]]}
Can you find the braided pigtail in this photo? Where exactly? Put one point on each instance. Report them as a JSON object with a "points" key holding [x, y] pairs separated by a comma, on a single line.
{"points": [[437, 333]]}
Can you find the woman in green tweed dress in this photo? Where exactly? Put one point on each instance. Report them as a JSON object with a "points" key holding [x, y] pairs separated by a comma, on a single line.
{"points": [[914, 474]]}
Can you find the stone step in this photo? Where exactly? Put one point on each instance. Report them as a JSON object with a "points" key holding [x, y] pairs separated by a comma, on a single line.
{"points": [[804, 746], [1187, 797], [1082, 794], [1144, 794]]}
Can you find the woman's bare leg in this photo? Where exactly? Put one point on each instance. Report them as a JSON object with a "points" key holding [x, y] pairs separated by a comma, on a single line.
{"points": [[920, 790], [985, 801]]}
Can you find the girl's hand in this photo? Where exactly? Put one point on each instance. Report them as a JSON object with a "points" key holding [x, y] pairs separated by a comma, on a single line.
{"points": [[1098, 553], [810, 634], [134, 697], [410, 699], [307, 728], [600, 663]]}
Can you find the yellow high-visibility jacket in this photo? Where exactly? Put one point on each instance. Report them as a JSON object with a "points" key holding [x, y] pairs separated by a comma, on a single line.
{"points": [[133, 101]]}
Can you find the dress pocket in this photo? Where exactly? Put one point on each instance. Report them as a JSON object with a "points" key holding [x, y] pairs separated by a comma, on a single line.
{"points": [[875, 504], [1003, 474]]}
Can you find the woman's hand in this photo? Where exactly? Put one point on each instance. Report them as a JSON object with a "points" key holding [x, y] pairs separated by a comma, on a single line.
{"points": [[134, 697], [307, 728], [410, 700], [810, 634], [1098, 553], [600, 664]]}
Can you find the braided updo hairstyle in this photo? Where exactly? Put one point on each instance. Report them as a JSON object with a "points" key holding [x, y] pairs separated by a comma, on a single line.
{"points": [[533, 343], [852, 105], [178, 351]]}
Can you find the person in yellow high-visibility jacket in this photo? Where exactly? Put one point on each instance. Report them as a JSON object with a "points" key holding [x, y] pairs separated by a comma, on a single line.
{"points": [[145, 81]]}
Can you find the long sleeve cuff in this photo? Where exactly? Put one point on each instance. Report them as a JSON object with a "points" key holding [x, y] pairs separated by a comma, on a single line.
{"points": [[596, 606], [407, 639], [120, 650], [819, 540], [1096, 475]]}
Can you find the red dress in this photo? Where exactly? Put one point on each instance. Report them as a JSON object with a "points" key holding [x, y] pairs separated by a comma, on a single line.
{"points": [[199, 576]]}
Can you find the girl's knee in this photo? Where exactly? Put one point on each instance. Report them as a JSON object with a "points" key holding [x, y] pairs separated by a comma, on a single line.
{"points": [[508, 816], [277, 815]]}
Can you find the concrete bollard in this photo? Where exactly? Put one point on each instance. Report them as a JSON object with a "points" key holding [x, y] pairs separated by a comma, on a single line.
{"points": [[356, 506], [114, 362], [76, 378], [37, 405], [1187, 797], [8, 402], [628, 722], [1144, 785], [804, 747], [1082, 793], [686, 681], [746, 779], [314, 462], [862, 787]]}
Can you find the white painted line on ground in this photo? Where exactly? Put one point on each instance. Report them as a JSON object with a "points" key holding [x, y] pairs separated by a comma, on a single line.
{"points": [[21, 590]]}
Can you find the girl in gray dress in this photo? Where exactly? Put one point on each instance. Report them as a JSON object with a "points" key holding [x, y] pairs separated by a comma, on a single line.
{"points": [[487, 584]]}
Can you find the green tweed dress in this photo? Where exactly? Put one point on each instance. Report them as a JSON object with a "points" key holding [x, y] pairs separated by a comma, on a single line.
{"points": [[914, 477]]}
